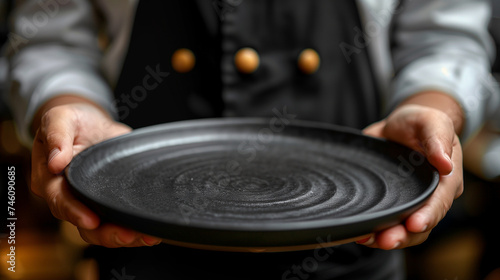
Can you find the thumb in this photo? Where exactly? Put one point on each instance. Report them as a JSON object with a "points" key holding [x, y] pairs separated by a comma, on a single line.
{"points": [[426, 130], [437, 141], [57, 133]]}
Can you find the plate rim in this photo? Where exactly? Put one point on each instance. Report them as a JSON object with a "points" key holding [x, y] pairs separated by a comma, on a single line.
{"points": [[322, 223]]}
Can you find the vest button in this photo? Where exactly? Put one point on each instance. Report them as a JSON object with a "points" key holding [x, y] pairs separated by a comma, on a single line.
{"points": [[308, 61], [247, 60], [183, 60]]}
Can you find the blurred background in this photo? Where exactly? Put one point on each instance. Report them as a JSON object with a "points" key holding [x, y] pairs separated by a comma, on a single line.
{"points": [[463, 246]]}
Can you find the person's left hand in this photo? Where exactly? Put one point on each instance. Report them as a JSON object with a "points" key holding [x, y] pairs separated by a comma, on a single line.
{"points": [[430, 132]]}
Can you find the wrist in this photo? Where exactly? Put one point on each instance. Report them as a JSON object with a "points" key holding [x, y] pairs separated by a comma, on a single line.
{"points": [[440, 101], [65, 99]]}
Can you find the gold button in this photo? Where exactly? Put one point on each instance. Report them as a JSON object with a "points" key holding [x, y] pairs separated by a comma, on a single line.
{"points": [[247, 60], [183, 60], [308, 61]]}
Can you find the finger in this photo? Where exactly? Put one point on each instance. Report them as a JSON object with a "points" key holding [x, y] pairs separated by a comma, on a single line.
{"points": [[435, 208], [54, 189], [114, 236], [64, 206], [396, 237], [391, 238], [419, 224], [57, 133], [375, 129], [433, 211]]}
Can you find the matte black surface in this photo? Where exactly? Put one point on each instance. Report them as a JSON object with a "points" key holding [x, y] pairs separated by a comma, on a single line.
{"points": [[251, 182]]}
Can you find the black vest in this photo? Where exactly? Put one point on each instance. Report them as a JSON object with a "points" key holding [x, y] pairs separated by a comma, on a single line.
{"points": [[341, 91]]}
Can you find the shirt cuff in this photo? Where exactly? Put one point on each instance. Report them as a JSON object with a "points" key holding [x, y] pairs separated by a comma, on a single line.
{"points": [[472, 87], [75, 82]]}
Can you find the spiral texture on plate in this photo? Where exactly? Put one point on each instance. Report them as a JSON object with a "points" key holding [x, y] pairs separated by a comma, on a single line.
{"points": [[277, 181]]}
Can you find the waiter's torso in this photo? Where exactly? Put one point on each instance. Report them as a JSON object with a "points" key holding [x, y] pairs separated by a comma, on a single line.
{"points": [[151, 90]]}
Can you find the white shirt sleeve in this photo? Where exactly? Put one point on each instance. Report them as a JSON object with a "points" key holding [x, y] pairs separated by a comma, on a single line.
{"points": [[445, 45], [53, 49]]}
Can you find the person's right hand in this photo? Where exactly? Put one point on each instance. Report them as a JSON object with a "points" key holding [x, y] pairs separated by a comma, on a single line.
{"points": [[63, 132]]}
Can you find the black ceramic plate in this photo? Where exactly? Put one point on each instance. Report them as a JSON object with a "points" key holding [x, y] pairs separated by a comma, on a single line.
{"points": [[251, 183]]}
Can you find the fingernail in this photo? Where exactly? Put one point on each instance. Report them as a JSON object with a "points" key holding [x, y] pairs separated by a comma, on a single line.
{"points": [[150, 241], [363, 240], [53, 154], [396, 245], [451, 162], [424, 228], [366, 241], [448, 158], [449, 174]]}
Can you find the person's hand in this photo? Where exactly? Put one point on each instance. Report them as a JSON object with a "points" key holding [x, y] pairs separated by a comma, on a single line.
{"points": [[63, 132], [431, 132]]}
